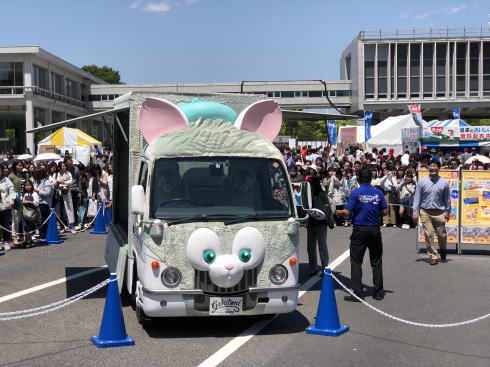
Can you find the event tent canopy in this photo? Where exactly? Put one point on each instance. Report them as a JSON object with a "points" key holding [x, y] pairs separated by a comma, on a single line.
{"points": [[446, 123], [67, 136]]}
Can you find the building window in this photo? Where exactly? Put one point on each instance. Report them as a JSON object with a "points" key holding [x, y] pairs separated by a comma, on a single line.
{"points": [[71, 89], [382, 71], [56, 83], [343, 93], [486, 68], [402, 54], [40, 77], [297, 94], [347, 67], [315, 93], [56, 116], [415, 70], [428, 69], [474, 63], [441, 53], [287, 94], [369, 56], [11, 74], [460, 69]]}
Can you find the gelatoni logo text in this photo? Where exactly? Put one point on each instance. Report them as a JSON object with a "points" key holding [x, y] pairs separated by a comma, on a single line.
{"points": [[226, 305]]}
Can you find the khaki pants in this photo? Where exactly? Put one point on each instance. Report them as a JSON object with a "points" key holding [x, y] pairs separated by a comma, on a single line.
{"points": [[434, 222], [390, 218]]}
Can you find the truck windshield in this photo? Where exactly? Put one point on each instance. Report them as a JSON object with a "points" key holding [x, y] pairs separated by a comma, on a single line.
{"points": [[223, 188]]}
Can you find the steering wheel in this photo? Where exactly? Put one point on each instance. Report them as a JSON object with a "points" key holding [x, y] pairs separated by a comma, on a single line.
{"points": [[176, 200]]}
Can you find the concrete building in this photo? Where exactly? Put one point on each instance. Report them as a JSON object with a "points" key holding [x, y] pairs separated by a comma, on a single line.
{"points": [[38, 88], [379, 71], [437, 68]]}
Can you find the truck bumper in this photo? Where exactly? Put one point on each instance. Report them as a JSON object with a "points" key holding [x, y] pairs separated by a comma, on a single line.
{"points": [[178, 303]]}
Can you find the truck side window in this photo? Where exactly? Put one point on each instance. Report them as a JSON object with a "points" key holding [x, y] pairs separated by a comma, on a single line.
{"points": [[143, 179]]}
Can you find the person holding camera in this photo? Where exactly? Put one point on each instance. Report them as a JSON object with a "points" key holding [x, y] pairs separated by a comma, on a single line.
{"points": [[65, 203], [389, 186]]}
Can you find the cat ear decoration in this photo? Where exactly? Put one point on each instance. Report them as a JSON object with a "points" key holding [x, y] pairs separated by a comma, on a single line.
{"points": [[263, 118], [159, 117]]}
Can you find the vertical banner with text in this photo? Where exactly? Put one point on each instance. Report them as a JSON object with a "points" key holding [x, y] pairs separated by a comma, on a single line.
{"points": [[368, 121], [332, 132]]}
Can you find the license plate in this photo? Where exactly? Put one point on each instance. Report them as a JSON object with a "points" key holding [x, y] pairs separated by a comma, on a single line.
{"points": [[225, 306]]}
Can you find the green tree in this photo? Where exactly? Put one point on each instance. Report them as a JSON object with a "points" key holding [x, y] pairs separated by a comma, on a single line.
{"points": [[105, 73], [478, 122], [309, 130]]}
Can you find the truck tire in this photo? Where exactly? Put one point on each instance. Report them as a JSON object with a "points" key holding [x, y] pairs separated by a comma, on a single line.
{"points": [[145, 321]]}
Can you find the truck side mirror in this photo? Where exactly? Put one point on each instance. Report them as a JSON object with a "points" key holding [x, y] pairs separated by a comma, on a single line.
{"points": [[306, 199], [137, 200]]}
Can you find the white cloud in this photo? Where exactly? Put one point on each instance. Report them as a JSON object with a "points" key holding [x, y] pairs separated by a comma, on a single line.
{"points": [[451, 10], [157, 7], [135, 4], [456, 9]]}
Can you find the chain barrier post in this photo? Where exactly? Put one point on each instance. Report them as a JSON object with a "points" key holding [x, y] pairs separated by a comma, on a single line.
{"points": [[99, 221], [327, 316], [52, 236], [112, 331]]}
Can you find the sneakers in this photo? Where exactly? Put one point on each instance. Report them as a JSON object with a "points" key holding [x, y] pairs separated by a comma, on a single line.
{"points": [[434, 262], [405, 226], [6, 246], [351, 298], [378, 296], [384, 225]]}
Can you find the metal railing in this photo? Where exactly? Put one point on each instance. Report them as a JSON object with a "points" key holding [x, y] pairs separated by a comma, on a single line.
{"points": [[431, 33], [37, 91]]}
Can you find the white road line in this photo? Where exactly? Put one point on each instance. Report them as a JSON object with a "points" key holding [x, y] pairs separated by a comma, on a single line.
{"points": [[230, 347], [50, 284]]}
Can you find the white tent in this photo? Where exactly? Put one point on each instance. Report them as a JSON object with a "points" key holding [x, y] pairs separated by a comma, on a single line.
{"points": [[76, 142], [388, 133]]}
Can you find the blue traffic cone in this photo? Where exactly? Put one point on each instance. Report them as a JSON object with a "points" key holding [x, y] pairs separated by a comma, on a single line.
{"points": [[112, 331], [52, 233], [109, 216], [99, 222], [327, 316]]}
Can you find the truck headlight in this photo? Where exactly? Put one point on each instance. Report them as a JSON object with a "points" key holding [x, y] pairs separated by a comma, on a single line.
{"points": [[171, 277], [278, 274]]}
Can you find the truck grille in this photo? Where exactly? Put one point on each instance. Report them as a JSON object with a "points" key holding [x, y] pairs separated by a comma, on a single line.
{"points": [[203, 281]]}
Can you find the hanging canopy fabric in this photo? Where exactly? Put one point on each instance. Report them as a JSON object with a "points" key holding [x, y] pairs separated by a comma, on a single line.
{"points": [[67, 136], [447, 123]]}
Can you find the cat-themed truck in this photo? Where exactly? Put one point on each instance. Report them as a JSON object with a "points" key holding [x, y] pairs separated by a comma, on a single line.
{"points": [[204, 221], [204, 217]]}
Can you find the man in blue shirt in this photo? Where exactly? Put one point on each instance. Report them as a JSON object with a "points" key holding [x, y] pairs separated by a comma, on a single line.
{"points": [[366, 204]]}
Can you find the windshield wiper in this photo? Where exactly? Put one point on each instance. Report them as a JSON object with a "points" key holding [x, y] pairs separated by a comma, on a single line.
{"points": [[253, 216], [200, 217]]}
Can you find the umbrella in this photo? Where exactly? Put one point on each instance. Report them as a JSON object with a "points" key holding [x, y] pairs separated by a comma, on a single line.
{"points": [[477, 157], [24, 157], [46, 157]]}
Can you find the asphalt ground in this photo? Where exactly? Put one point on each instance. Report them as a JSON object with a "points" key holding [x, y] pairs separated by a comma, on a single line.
{"points": [[449, 292]]}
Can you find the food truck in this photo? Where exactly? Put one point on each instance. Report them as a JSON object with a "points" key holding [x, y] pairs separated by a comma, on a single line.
{"points": [[204, 218]]}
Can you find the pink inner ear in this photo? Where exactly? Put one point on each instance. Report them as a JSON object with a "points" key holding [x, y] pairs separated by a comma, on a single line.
{"points": [[159, 117], [263, 117]]}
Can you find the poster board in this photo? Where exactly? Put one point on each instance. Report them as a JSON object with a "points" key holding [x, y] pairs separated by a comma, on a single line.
{"points": [[475, 208], [452, 226]]}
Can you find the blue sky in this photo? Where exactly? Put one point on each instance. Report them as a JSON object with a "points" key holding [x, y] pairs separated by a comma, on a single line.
{"points": [[154, 41]]}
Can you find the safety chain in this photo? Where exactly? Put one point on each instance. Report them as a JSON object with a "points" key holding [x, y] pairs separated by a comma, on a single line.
{"points": [[54, 306], [30, 232], [87, 226], [351, 292]]}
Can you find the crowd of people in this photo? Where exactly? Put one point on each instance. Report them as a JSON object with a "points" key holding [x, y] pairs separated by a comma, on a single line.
{"points": [[30, 191], [395, 175]]}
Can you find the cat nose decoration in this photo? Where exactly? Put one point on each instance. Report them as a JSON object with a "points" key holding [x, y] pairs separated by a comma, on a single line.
{"points": [[229, 266]]}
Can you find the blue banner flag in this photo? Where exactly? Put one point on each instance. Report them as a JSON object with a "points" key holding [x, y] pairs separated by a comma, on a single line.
{"points": [[456, 113], [368, 121], [332, 131]]}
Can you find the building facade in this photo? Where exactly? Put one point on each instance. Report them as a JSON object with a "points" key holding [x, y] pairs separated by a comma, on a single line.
{"points": [[437, 68], [379, 71], [38, 88]]}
